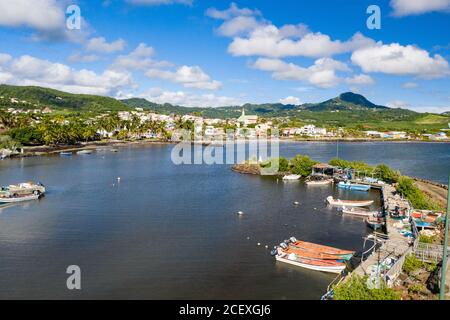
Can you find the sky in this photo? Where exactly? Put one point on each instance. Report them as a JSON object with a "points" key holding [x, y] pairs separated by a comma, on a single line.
{"points": [[216, 53]]}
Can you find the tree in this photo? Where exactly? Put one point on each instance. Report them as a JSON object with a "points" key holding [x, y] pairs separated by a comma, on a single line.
{"points": [[302, 165], [355, 288], [386, 174]]}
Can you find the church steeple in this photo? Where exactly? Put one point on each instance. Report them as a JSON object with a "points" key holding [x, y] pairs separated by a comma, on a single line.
{"points": [[243, 112]]}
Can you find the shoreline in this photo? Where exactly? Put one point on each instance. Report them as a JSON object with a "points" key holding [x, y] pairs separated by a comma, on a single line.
{"points": [[43, 150]]}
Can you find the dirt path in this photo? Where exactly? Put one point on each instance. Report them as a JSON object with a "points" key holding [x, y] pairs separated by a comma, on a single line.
{"points": [[436, 193]]}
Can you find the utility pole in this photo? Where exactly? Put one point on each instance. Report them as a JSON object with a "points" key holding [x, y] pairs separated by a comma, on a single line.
{"points": [[444, 257]]}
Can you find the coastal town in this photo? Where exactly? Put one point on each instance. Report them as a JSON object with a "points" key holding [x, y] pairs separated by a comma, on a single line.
{"points": [[17, 125]]}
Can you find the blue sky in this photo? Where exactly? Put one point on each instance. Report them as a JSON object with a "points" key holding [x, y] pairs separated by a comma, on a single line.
{"points": [[211, 53]]}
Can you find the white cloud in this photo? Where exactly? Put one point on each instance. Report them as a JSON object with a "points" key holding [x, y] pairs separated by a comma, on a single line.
{"points": [[361, 79], [398, 104], [101, 45], [321, 74], [290, 100], [45, 17], [190, 77], [270, 41], [78, 57], [401, 60], [28, 70], [416, 7], [231, 12], [418, 108], [238, 25], [139, 59], [409, 85], [188, 99], [159, 2]]}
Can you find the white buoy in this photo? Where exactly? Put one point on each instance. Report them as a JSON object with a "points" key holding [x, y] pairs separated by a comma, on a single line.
{"points": [[118, 178], [267, 247], [296, 203], [259, 243], [240, 213], [248, 238]]}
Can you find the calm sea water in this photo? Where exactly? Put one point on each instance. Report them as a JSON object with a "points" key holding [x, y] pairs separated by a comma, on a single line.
{"points": [[172, 232]]}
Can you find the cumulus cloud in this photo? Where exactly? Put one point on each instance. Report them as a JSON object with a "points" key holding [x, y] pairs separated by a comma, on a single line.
{"points": [[140, 58], [231, 12], [290, 100], [361, 79], [159, 2], [45, 17], [190, 77], [401, 60], [416, 7], [28, 70], [101, 45], [409, 85], [321, 74], [78, 57], [238, 25], [270, 41], [188, 99], [418, 108]]}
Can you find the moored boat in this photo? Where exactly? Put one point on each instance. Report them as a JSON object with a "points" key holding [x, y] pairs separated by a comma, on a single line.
{"points": [[87, 151], [24, 188], [312, 264], [319, 182], [292, 177], [375, 223], [18, 198], [353, 186], [358, 211], [340, 254], [310, 254], [348, 203], [65, 154]]}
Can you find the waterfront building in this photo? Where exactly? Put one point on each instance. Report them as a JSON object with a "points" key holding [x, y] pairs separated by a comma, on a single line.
{"points": [[247, 120]]}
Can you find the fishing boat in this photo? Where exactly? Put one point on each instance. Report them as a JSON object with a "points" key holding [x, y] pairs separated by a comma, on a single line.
{"points": [[312, 264], [87, 151], [4, 198], [319, 182], [24, 188], [358, 211], [292, 177], [318, 248], [353, 186], [348, 203], [375, 223], [311, 254]]}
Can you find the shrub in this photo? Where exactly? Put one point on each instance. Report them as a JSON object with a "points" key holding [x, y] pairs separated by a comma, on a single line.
{"points": [[386, 174], [426, 239], [412, 264], [356, 288], [302, 165], [418, 199]]}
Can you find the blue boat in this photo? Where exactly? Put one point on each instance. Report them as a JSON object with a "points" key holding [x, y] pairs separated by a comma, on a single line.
{"points": [[65, 154], [353, 186]]}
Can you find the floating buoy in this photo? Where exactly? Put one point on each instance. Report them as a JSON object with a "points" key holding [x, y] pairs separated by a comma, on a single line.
{"points": [[248, 238], [296, 203], [258, 243], [240, 213], [267, 247], [118, 178]]}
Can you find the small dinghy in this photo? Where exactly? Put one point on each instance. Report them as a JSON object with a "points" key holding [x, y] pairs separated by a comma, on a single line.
{"points": [[65, 154], [361, 212], [339, 254], [291, 177], [375, 223], [309, 253], [353, 186], [87, 151], [19, 198], [319, 182], [348, 203], [312, 264]]}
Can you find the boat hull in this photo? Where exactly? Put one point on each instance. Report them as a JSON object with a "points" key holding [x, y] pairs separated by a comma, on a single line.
{"points": [[348, 203], [313, 265], [355, 187], [318, 248], [19, 199], [318, 183]]}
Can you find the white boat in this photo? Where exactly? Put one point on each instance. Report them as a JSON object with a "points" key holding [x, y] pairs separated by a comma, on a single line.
{"points": [[312, 264], [319, 182], [361, 212], [19, 198], [292, 177], [348, 203], [87, 151], [24, 188]]}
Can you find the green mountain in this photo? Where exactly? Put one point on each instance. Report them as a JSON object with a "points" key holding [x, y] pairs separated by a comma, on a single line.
{"points": [[31, 97], [345, 101]]}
